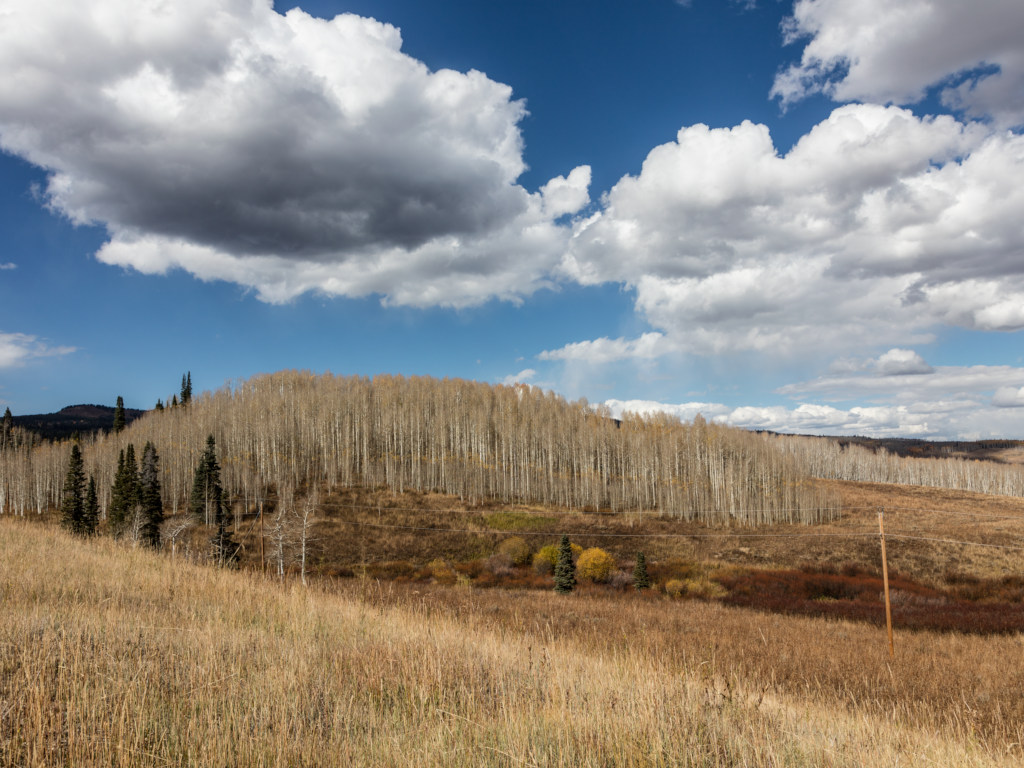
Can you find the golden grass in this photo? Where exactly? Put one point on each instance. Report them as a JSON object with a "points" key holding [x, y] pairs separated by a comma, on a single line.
{"points": [[111, 656]]}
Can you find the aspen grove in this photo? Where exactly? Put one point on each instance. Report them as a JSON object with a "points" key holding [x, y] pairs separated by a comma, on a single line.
{"points": [[481, 442]]}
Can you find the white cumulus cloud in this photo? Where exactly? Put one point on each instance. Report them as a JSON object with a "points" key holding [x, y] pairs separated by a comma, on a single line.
{"points": [[282, 152], [902, 362], [905, 378], [605, 350], [876, 227], [893, 51], [1009, 397], [936, 420]]}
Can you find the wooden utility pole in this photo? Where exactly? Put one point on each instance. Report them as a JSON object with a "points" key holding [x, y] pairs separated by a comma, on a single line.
{"points": [[885, 586]]}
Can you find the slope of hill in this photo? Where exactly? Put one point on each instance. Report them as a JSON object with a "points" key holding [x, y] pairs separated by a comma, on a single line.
{"points": [[113, 655], [477, 441]]}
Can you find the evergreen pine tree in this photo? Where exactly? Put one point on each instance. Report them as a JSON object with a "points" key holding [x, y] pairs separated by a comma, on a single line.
{"points": [[124, 494], [640, 578], [5, 435], [207, 504], [72, 504], [119, 415], [565, 571], [131, 475], [174, 401], [91, 512], [207, 500], [152, 508], [159, 405], [116, 510], [186, 388]]}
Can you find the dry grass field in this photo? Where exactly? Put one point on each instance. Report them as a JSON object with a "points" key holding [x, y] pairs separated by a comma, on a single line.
{"points": [[114, 656]]}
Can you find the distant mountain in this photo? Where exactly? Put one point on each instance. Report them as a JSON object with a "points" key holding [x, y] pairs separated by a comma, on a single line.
{"points": [[74, 418]]}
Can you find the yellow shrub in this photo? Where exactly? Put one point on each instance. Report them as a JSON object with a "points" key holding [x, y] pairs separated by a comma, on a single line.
{"points": [[705, 589], [442, 571], [675, 588], [595, 564], [517, 550], [547, 557]]}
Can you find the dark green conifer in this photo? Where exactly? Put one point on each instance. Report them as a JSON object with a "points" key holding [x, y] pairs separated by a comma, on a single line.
{"points": [[149, 497], [8, 427], [207, 500], [208, 506], [640, 578], [174, 401], [119, 415], [91, 512], [186, 388], [565, 570], [72, 504], [124, 494], [159, 405]]}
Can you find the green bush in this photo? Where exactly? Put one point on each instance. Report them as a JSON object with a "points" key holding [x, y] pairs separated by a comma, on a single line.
{"points": [[595, 564], [517, 550]]}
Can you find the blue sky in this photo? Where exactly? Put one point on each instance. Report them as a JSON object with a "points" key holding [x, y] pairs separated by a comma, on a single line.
{"points": [[804, 216]]}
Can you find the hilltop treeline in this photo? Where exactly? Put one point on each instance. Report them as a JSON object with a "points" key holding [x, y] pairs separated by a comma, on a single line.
{"points": [[478, 441], [918, 448], [73, 419]]}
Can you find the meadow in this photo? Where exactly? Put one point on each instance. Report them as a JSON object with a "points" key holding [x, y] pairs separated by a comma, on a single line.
{"points": [[112, 655]]}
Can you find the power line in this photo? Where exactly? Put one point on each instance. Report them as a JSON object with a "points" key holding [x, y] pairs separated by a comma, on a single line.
{"points": [[951, 541], [993, 515], [682, 514], [585, 534]]}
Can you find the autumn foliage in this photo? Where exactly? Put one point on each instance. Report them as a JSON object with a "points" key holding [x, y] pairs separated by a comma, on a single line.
{"points": [[595, 565]]}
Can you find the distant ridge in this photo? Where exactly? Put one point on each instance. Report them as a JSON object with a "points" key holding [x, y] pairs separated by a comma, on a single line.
{"points": [[73, 418], [1001, 451]]}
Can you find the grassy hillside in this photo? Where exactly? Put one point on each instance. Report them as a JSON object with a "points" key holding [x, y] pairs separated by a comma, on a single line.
{"points": [[115, 656]]}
